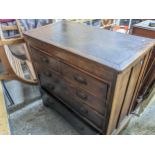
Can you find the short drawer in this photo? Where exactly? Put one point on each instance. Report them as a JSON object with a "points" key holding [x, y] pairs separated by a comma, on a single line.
{"points": [[85, 81], [84, 97], [55, 84], [85, 111], [43, 59]]}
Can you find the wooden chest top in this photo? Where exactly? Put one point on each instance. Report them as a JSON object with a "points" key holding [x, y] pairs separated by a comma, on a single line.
{"points": [[145, 25], [112, 49]]}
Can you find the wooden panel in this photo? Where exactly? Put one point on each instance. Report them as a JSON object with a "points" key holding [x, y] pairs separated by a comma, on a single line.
{"points": [[120, 89], [44, 59], [83, 97], [85, 111], [129, 94], [75, 60], [151, 61], [70, 116], [143, 29], [95, 44], [67, 93], [143, 32], [4, 123], [57, 85], [11, 41], [139, 83], [6, 28], [85, 81]]}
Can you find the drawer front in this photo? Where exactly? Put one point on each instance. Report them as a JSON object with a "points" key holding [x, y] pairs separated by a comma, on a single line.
{"points": [[143, 32], [78, 123], [74, 97], [86, 98], [53, 83], [43, 59], [84, 81], [84, 111]]}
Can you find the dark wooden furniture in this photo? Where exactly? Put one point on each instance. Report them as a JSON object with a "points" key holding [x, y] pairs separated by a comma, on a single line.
{"points": [[81, 126], [143, 29], [96, 73]]}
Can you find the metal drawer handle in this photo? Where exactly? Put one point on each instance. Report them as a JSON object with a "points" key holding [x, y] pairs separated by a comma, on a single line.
{"points": [[80, 79], [81, 95], [83, 110], [47, 73], [45, 60]]}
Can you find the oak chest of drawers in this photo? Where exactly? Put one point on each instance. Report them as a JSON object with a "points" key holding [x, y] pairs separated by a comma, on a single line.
{"points": [[94, 72], [143, 29]]}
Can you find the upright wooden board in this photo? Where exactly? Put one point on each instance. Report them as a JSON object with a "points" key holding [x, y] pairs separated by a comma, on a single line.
{"points": [[4, 123]]}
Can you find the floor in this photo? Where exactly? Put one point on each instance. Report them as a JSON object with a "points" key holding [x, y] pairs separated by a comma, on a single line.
{"points": [[38, 119], [145, 123], [26, 93]]}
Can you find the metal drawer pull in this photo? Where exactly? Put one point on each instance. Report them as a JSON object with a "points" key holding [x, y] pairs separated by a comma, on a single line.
{"points": [[45, 60], [49, 74], [83, 110], [81, 95], [80, 79]]}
